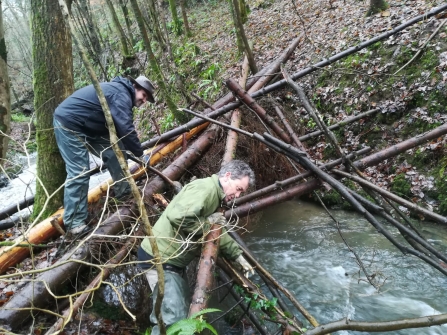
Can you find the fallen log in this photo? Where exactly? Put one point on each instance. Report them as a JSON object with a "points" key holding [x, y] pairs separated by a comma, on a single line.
{"points": [[207, 263], [9, 256], [395, 198], [14, 208], [252, 104], [286, 182], [73, 310], [339, 124], [124, 217], [299, 157], [225, 104]]}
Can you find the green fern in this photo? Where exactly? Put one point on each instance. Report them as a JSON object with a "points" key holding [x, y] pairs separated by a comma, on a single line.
{"points": [[194, 324]]}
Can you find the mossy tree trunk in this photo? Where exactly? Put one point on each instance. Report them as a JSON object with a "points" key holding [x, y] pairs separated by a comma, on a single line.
{"points": [[185, 19], [128, 22], [176, 24], [53, 82], [376, 6], [153, 62], [118, 29], [5, 98], [247, 48]]}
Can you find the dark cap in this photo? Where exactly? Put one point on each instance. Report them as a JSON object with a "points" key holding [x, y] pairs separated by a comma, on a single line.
{"points": [[143, 83]]}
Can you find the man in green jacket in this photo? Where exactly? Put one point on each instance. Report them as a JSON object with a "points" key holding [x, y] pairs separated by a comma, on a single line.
{"points": [[180, 232]]}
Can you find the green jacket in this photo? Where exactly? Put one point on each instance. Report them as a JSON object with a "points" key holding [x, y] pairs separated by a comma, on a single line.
{"points": [[180, 229]]}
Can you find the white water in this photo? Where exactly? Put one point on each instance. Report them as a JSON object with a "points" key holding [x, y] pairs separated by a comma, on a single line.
{"points": [[24, 185], [301, 247]]}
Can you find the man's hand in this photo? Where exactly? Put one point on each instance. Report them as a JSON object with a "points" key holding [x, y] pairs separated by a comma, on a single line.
{"points": [[248, 269], [217, 218]]}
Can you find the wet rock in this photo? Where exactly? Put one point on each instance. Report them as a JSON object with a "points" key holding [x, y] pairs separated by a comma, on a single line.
{"points": [[133, 289]]}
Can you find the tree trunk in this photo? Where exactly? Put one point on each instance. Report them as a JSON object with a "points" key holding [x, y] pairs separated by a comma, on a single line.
{"points": [[128, 22], [247, 48], [119, 30], [185, 19], [154, 63], [176, 24], [376, 6], [53, 82], [5, 98], [83, 6]]}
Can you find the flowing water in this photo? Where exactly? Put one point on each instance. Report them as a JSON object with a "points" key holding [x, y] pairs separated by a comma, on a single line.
{"points": [[300, 245]]}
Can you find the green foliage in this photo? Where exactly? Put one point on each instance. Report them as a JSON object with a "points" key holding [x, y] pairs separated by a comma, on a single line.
{"points": [[211, 71], [441, 186], [208, 88], [139, 46], [257, 302], [401, 186], [176, 27], [168, 122], [20, 117], [192, 325]]}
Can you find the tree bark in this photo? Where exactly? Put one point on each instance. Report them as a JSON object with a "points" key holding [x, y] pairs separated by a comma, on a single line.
{"points": [[119, 30], [205, 274], [153, 61], [185, 19], [5, 98], [247, 48], [128, 22], [53, 82]]}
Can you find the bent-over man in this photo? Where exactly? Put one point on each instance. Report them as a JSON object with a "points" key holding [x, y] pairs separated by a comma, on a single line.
{"points": [[80, 127], [179, 235]]}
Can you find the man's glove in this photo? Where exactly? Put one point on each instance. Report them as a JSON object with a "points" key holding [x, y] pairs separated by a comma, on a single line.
{"points": [[217, 218], [248, 269]]}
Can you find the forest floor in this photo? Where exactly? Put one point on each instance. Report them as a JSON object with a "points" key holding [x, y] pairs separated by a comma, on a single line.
{"points": [[410, 102]]}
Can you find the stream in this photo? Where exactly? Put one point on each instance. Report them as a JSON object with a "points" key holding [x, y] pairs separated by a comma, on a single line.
{"points": [[300, 245]]}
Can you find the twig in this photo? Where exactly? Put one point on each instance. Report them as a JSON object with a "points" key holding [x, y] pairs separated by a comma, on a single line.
{"points": [[422, 47]]}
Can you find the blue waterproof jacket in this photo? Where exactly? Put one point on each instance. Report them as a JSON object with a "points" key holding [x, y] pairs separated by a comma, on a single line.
{"points": [[83, 113]]}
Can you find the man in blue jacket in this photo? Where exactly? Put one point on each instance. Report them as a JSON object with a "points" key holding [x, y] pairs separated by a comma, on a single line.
{"points": [[80, 127]]}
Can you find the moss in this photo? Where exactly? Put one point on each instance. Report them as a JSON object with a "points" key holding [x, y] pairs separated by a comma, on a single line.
{"points": [[401, 186]]}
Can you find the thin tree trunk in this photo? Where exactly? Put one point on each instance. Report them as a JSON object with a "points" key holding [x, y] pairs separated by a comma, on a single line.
{"points": [[5, 98], [247, 48], [119, 30], [176, 24], [128, 22], [185, 19], [53, 82], [154, 63]]}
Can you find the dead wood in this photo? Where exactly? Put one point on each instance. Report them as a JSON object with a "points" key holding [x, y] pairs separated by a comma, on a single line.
{"points": [[38, 293], [225, 104], [348, 52], [407, 233], [232, 136], [281, 184], [73, 310], [253, 105], [14, 208], [347, 324], [43, 231], [205, 278], [340, 188], [339, 124], [175, 170], [289, 128], [395, 198]]}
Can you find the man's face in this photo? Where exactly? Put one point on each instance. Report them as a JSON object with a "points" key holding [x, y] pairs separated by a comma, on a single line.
{"points": [[140, 96], [233, 187]]}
